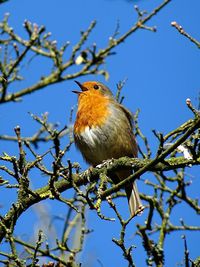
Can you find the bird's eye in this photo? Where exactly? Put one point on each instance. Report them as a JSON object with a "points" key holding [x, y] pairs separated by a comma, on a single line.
{"points": [[96, 87]]}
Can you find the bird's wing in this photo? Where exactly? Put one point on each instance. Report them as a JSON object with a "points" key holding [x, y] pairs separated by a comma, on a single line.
{"points": [[128, 114], [133, 143]]}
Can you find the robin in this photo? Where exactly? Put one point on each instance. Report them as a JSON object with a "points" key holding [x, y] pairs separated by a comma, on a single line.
{"points": [[103, 130]]}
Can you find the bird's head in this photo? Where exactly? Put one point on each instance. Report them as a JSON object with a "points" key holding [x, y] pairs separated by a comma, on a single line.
{"points": [[93, 87]]}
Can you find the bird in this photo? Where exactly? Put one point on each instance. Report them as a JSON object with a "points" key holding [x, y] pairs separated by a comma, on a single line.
{"points": [[103, 130]]}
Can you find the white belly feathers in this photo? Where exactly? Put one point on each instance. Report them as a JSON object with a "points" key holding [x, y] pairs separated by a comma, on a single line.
{"points": [[90, 136]]}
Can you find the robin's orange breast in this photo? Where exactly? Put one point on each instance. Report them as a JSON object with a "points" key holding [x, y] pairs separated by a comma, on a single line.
{"points": [[92, 111]]}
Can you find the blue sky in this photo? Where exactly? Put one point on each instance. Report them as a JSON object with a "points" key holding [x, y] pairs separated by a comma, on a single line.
{"points": [[162, 70]]}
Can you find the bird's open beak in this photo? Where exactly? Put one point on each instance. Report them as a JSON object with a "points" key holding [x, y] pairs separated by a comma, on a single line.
{"points": [[82, 88]]}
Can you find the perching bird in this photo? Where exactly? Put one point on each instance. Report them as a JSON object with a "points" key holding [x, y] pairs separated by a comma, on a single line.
{"points": [[103, 130]]}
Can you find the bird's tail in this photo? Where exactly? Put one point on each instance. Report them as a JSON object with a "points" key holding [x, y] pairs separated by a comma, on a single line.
{"points": [[134, 201]]}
